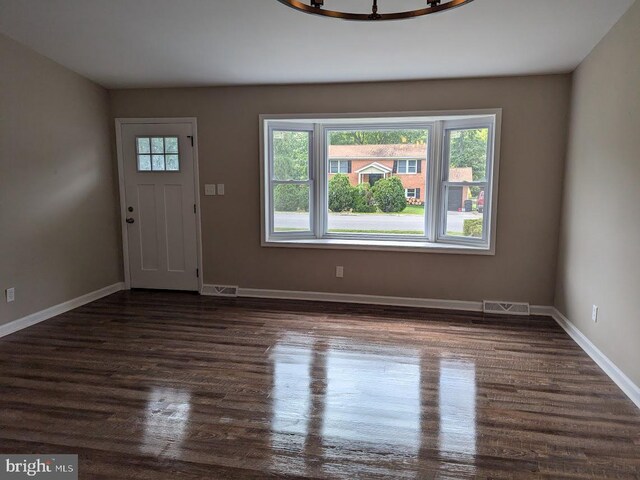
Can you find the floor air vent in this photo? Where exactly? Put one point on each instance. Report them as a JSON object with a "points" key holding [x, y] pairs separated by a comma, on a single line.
{"points": [[222, 291], [505, 308]]}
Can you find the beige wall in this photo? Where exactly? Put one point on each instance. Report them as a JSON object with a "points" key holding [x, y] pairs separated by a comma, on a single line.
{"points": [[599, 255], [59, 224], [59, 230], [534, 133]]}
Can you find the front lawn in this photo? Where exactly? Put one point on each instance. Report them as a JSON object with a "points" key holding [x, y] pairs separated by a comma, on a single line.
{"points": [[409, 210], [390, 232], [413, 210]]}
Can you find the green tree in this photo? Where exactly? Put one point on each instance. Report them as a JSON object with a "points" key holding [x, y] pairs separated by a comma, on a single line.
{"points": [[291, 198], [472, 227], [341, 196], [389, 195], [363, 201], [378, 137], [468, 148], [290, 155]]}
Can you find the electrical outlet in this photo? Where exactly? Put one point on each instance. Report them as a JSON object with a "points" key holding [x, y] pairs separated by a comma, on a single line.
{"points": [[340, 271], [10, 294], [594, 313]]}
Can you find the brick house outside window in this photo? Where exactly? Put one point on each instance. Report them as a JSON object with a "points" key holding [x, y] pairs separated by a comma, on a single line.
{"points": [[370, 163]]}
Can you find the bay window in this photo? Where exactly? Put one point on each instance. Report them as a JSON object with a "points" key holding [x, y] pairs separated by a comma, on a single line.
{"points": [[403, 181]]}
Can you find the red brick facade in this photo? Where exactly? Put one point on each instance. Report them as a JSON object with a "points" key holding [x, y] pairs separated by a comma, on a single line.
{"points": [[366, 163]]}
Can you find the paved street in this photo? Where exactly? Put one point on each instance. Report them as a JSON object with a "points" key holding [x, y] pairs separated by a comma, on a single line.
{"points": [[389, 221]]}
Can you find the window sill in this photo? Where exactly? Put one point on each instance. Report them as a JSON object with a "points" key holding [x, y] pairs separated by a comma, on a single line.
{"points": [[382, 245]]}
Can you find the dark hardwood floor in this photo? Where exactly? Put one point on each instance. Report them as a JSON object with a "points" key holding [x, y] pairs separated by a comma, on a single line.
{"points": [[156, 385]]}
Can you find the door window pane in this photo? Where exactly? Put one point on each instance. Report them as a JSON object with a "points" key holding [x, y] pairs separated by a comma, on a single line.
{"points": [[158, 162], [172, 163], [157, 145], [143, 145], [144, 163], [171, 144], [164, 154]]}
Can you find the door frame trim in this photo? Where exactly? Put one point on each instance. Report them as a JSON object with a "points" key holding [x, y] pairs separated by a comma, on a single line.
{"points": [[119, 123]]}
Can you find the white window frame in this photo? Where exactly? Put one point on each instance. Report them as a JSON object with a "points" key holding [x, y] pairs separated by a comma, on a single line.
{"points": [[435, 238], [340, 164], [415, 193], [407, 166], [447, 127], [323, 130], [271, 183]]}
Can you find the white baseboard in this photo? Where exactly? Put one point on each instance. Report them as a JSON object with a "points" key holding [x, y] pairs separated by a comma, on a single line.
{"points": [[462, 305], [41, 316], [542, 310], [362, 299], [626, 385], [613, 372], [620, 379]]}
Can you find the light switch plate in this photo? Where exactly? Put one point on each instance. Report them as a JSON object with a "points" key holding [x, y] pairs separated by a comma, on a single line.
{"points": [[209, 189], [10, 294], [221, 189]]}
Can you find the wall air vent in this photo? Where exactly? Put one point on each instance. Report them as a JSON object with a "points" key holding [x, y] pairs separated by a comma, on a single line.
{"points": [[505, 308], [220, 290]]}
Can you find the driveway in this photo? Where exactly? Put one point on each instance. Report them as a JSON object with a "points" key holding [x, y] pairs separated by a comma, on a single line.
{"points": [[389, 221]]}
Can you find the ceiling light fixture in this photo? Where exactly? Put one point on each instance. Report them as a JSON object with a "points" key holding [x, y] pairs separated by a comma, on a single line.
{"points": [[316, 7]]}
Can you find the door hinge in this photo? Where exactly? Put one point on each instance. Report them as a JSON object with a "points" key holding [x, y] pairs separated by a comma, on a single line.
{"points": [[190, 137], [194, 208], [197, 273]]}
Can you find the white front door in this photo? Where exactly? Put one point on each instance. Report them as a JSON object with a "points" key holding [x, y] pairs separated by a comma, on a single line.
{"points": [[160, 205]]}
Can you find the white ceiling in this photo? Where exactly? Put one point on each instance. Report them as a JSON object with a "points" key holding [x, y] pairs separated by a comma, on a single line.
{"points": [[152, 43]]}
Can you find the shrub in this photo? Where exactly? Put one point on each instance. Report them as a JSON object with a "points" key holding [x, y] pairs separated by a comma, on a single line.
{"points": [[472, 227], [291, 198], [341, 197], [389, 195], [363, 201]]}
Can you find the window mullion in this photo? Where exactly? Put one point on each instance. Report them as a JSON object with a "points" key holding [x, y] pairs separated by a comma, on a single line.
{"points": [[434, 177], [321, 165]]}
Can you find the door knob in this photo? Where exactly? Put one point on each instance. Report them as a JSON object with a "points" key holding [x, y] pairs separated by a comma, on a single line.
{"points": [[129, 220]]}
